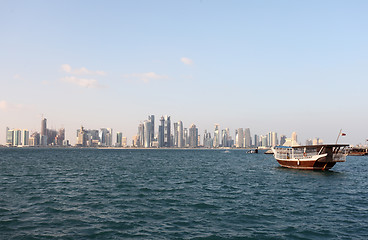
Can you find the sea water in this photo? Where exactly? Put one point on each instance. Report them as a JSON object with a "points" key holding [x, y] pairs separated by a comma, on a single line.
{"points": [[176, 194]]}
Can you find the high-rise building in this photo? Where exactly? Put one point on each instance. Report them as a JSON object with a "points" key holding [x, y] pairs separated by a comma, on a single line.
{"points": [[25, 137], [180, 134], [225, 138], [105, 137], [274, 141], [81, 137], [161, 134], [216, 136], [317, 141], [193, 136], [147, 134], [308, 142], [43, 135], [239, 138], [294, 137], [140, 142], [207, 140], [186, 137], [119, 139], [124, 142], [152, 129], [9, 137], [167, 131], [51, 136], [264, 141], [282, 139], [176, 135], [256, 140], [247, 138], [17, 137], [34, 139], [135, 141], [60, 137]]}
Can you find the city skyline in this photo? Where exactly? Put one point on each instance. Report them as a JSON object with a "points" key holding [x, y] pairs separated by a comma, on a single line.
{"points": [[179, 137], [269, 66]]}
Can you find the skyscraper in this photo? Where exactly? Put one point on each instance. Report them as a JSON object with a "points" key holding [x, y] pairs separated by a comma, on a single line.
{"points": [[282, 139], [239, 138], [152, 129], [147, 133], [274, 141], [105, 136], [247, 138], [176, 135], [294, 137], [264, 141], [167, 131], [216, 136], [60, 137], [9, 137], [180, 134], [161, 132], [193, 136], [186, 137], [119, 139], [43, 135], [140, 140], [256, 140], [81, 137], [207, 140], [17, 137], [25, 137]]}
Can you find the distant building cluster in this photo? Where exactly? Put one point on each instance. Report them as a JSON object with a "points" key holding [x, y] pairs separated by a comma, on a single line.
{"points": [[47, 137], [102, 137], [168, 135], [181, 137]]}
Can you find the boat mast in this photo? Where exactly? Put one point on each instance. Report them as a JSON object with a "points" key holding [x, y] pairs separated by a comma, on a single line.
{"points": [[338, 136]]}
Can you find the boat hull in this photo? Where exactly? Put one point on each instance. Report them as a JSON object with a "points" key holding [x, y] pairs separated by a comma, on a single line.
{"points": [[306, 164]]}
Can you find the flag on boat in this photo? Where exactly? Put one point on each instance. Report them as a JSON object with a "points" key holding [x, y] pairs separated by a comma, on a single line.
{"points": [[343, 134]]}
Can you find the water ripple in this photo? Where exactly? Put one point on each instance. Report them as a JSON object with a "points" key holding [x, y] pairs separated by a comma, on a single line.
{"points": [[175, 194]]}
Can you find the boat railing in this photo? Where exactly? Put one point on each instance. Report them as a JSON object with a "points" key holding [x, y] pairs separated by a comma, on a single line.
{"points": [[340, 157], [304, 155], [284, 154]]}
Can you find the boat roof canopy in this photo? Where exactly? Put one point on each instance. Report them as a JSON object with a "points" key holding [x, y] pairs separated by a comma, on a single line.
{"points": [[316, 146]]}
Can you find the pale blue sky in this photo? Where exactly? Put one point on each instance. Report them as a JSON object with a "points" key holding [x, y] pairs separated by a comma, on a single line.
{"points": [[268, 65]]}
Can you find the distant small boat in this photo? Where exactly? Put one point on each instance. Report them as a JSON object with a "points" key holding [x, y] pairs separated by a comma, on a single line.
{"points": [[358, 151], [227, 151], [253, 150], [269, 151], [313, 157]]}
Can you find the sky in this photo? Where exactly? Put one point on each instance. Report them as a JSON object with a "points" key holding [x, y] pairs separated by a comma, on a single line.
{"points": [[278, 66]]}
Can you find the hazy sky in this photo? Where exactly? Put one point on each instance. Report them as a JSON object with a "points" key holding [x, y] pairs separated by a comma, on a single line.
{"points": [[268, 65]]}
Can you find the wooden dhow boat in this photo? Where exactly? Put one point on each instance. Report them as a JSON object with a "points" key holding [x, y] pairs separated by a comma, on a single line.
{"points": [[313, 157]]}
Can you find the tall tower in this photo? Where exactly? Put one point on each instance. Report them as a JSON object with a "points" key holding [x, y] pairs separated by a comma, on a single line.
{"points": [[274, 141], [119, 139], [294, 137], [180, 134], [161, 132], [25, 137], [193, 136], [152, 128], [247, 138], [216, 136], [140, 135], [147, 134], [167, 131], [43, 140], [239, 138]]}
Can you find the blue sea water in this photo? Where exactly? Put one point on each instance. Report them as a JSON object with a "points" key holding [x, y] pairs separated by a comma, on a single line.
{"points": [[176, 194]]}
